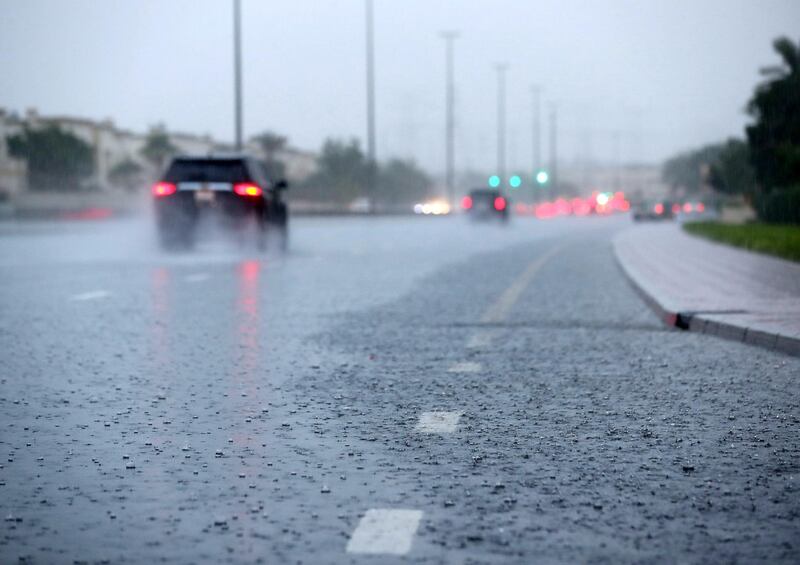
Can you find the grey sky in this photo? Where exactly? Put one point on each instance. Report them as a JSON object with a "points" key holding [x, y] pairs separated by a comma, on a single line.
{"points": [[666, 74]]}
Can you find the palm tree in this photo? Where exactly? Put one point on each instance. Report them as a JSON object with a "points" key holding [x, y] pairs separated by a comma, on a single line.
{"points": [[158, 148], [775, 107], [271, 143]]}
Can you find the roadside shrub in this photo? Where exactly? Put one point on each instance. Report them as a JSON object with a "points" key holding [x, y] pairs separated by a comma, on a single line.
{"points": [[780, 206]]}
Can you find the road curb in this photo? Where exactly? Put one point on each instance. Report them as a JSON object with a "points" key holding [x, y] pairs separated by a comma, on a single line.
{"points": [[699, 323]]}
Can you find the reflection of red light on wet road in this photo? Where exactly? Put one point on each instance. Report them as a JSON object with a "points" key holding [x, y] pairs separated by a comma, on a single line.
{"points": [[89, 214], [247, 310]]}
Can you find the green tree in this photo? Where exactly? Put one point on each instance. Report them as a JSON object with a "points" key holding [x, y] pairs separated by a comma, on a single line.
{"points": [[126, 174], [341, 173], [774, 136], [732, 172], [158, 148], [690, 170], [271, 143], [57, 160], [402, 182]]}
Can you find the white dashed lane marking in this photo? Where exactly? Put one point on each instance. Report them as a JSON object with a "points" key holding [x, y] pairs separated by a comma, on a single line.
{"points": [[385, 531], [465, 367], [480, 339], [439, 422], [91, 295], [196, 277]]}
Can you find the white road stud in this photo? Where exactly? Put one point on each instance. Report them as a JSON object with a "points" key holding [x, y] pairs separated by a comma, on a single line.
{"points": [[439, 422], [480, 339], [385, 531], [465, 367], [91, 295]]}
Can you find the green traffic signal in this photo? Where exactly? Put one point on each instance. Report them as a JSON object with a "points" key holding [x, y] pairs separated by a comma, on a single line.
{"points": [[494, 181], [515, 181]]}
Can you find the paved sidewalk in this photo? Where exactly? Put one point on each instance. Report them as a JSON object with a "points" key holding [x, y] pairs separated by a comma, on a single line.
{"points": [[712, 288]]}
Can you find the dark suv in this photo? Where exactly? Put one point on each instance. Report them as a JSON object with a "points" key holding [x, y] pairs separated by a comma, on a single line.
{"points": [[233, 189], [486, 204]]}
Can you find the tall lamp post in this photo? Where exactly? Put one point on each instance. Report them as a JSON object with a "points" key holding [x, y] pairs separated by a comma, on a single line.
{"points": [[449, 129], [501, 69], [371, 176], [553, 149], [237, 71]]}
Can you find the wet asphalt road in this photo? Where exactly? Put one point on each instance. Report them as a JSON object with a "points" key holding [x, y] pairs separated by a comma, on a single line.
{"points": [[503, 385]]}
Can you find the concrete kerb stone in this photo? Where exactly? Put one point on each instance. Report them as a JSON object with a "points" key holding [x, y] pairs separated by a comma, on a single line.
{"points": [[788, 344], [699, 324]]}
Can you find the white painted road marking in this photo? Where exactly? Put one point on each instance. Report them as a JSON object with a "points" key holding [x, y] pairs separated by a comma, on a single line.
{"points": [[479, 340], [499, 310], [439, 422], [91, 295], [465, 367], [385, 531], [196, 277]]}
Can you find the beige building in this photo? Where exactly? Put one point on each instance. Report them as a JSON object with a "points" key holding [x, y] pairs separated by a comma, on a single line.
{"points": [[112, 146]]}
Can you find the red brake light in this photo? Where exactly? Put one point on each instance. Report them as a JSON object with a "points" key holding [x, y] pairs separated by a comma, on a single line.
{"points": [[687, 207], [247, 189], [466, 202], [701, 207], [658, 208], [676, 208], [164, 189], [499, 203]]}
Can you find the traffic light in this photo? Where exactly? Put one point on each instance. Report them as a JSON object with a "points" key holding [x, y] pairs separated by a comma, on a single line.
{"points": [[515, 181], [494, 181], [542, 177]]}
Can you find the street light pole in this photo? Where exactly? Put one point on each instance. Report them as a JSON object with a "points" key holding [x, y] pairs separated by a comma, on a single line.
{"points": [[553, 149], [237, 71], [501, 69], [536, 146], [449, 37], [371, 177]]}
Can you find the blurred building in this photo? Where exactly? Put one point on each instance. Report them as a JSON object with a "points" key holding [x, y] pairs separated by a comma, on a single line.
{"points": [[112, 145], [637, 181], [13, 172]]}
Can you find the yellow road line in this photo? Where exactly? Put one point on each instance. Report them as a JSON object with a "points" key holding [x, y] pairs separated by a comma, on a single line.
{"points": [[500, 308]]}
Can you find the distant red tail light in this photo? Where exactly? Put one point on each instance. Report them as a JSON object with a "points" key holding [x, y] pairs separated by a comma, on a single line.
{"points": [[676, 208], [247, 189], [658, 208], [701, 207], [687, 207], [499, 203], [466, 202], [164, 189]]}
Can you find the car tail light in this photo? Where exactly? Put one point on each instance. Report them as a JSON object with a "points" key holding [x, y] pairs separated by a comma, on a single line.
{"points": [[466, 202], [164, 189], [687, 207], [676, 208], [499, 203], [247, 189], [658, 209], [701, 207]]}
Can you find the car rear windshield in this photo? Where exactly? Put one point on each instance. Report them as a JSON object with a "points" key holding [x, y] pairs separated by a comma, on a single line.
{"points": [[483, 193], [207, 170]]}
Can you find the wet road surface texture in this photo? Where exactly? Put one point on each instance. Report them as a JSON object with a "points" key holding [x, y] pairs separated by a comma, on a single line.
{"points": [[393, 390]]}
